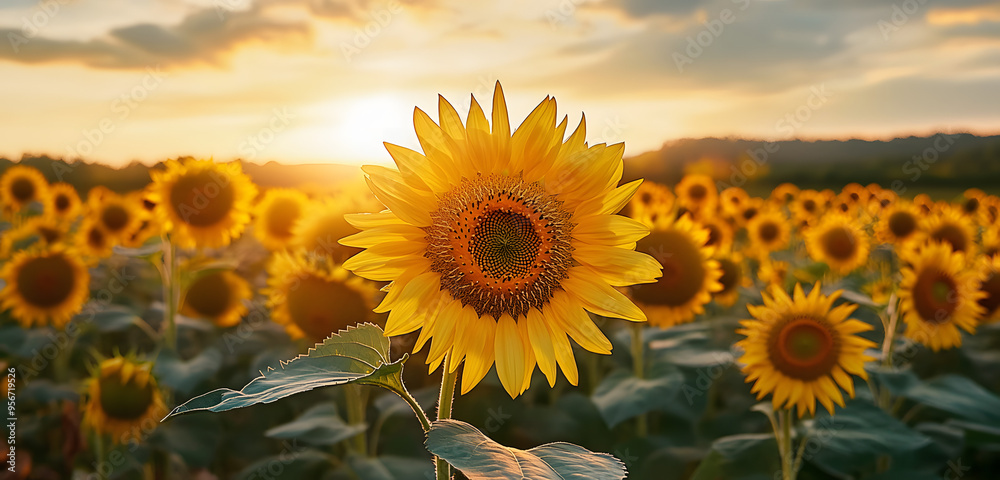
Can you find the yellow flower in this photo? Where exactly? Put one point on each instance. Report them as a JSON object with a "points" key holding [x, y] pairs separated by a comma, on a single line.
{"points": [[62, 201], [276, 215], [319, 231], [313, 297], [773, 272], [123, 401], [720, 233], [938, 295], [948, 225], [649, 203], [808, 206], [989, 273], [92, 241], [857, 194], [733, 277], [991, 241], [800, 348], [733, 200], [45, 286], [44, 230], [898, 223], [839, 242], [118, 216], [697, 194], [784, 194], [218, 296], [880, 200], [689, 275], [21, 185], [202, 203], [769, 231], [498, 244], [751, 208]]}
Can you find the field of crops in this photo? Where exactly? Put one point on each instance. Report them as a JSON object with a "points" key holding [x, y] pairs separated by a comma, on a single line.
{"points": [[499, 306]]}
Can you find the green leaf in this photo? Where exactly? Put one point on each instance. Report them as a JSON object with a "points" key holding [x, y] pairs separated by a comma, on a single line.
{"points": [[389, 467], [293, 462], [621, 396], [954, 394], [183, 376], [739, 456], [480, 458], [319, 425], [357, 355], [152, 247]]}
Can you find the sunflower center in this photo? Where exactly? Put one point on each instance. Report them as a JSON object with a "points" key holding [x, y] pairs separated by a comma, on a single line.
{"points": [[202, 199], [992, 300], [62, 203], [209, 295], [114, 217], [697, 192], [839, 243], [501, 245], [952, 234], [281, 217], [768, 232], [46, 281], [731, 275], [971, 205], [646, 198], [809, 205], [95, 238], [935, 296], [714, 235], [125, 401], [804, 348], [902, 224], [50, 235], [749, 213], [22, 189], [683, 269], [320, 307]]}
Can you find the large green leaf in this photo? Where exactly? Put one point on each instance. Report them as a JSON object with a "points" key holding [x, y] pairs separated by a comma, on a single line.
{"points": [[621, 396], [319, 425], [954, 394], [183, 376], [740, 457], [357, 355], [480, 458]]}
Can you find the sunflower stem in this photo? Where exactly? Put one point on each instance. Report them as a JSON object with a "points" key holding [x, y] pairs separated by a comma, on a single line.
{"points": [[888, 346], [639, 370], [171, 292], [445, 400], [785, 445], [357, 397]]}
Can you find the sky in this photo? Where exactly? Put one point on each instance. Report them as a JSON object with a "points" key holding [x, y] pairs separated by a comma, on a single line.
{"points": [[327, 81]]}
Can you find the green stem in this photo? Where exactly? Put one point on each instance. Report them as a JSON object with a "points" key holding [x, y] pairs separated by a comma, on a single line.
{"points": [[787, 462], [445, 400], [888, 346], [357, 397], [171, 293], [639, 370]]}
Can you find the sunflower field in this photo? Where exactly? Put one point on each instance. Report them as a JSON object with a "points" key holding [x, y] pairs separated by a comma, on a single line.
{"points": [[207, 327]]}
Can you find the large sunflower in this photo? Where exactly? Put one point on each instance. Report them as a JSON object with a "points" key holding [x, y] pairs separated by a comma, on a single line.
{"points": [[313, 297], [62, 201], [21, 185], [768, 231], [839, 242], [123, 400], [202, 203], [938, 295], [44, 286], [275, 216], [218, 296], [800, 348], [989, 273], [318, 232], [497, 243], [689, 278], [898, 223]]}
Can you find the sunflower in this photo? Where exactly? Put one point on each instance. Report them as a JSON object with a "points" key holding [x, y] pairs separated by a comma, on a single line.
{"points": [[768, 231], [898, 223], [808, 206], [21, 185], [732, 278], [989, 273], [733, 200], [972, 201], [924, 203], [123, 400], [45, 230], [948, 225], [856, 194], [509, 239], [882, 287], [650, 202], [697, 193], [319, 231], [751, 208], [991, 241], [118, 216], [773, 272], [800, 348], [62, 201], [275, 217], [938, 295], [784, 194], [839, 242], [880, 200], [689, 278], [92, 241], [202, 203], [219, 296], [720, 233], [989, 212], [313, 297], [44, 286]]}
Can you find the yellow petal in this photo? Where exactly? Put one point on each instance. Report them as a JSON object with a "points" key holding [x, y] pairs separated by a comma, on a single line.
{"points": [[541, 343], [509, 355], [599, 297], [608, 230]]}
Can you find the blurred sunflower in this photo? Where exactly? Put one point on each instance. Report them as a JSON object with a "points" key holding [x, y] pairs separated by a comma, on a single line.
{"points": [[44, 230], [773, 272], [784, 194], [972, 201], [769, 231], [989, 273], [202, 204], [751, 208], [880, 200], [800, 348], [808, 205], [924, 203], [839, 242], [857, 194], [62, 201], [275, 216], [118, 216], [733, 277], [123, 400], [938, 295], [92, 241], [44, 286], [948, 225], [217, 296], [509, 239], [697, 193], [21, 185], [690, 276], [991, 241], [720, 233], [313, 297], [318, 232], [650, 202], [989, 211], [881, 288], [733, 200], [898, 223]]}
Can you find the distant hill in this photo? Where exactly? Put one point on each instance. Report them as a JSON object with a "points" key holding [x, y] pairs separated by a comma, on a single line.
{"points": [[942, 162]]}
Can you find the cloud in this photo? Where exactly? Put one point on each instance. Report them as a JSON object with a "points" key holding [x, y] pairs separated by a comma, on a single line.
{"points": [[208, 36]]}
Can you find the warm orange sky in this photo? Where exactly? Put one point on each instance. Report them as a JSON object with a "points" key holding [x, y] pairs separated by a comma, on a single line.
{"points": [[300, 80]]}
